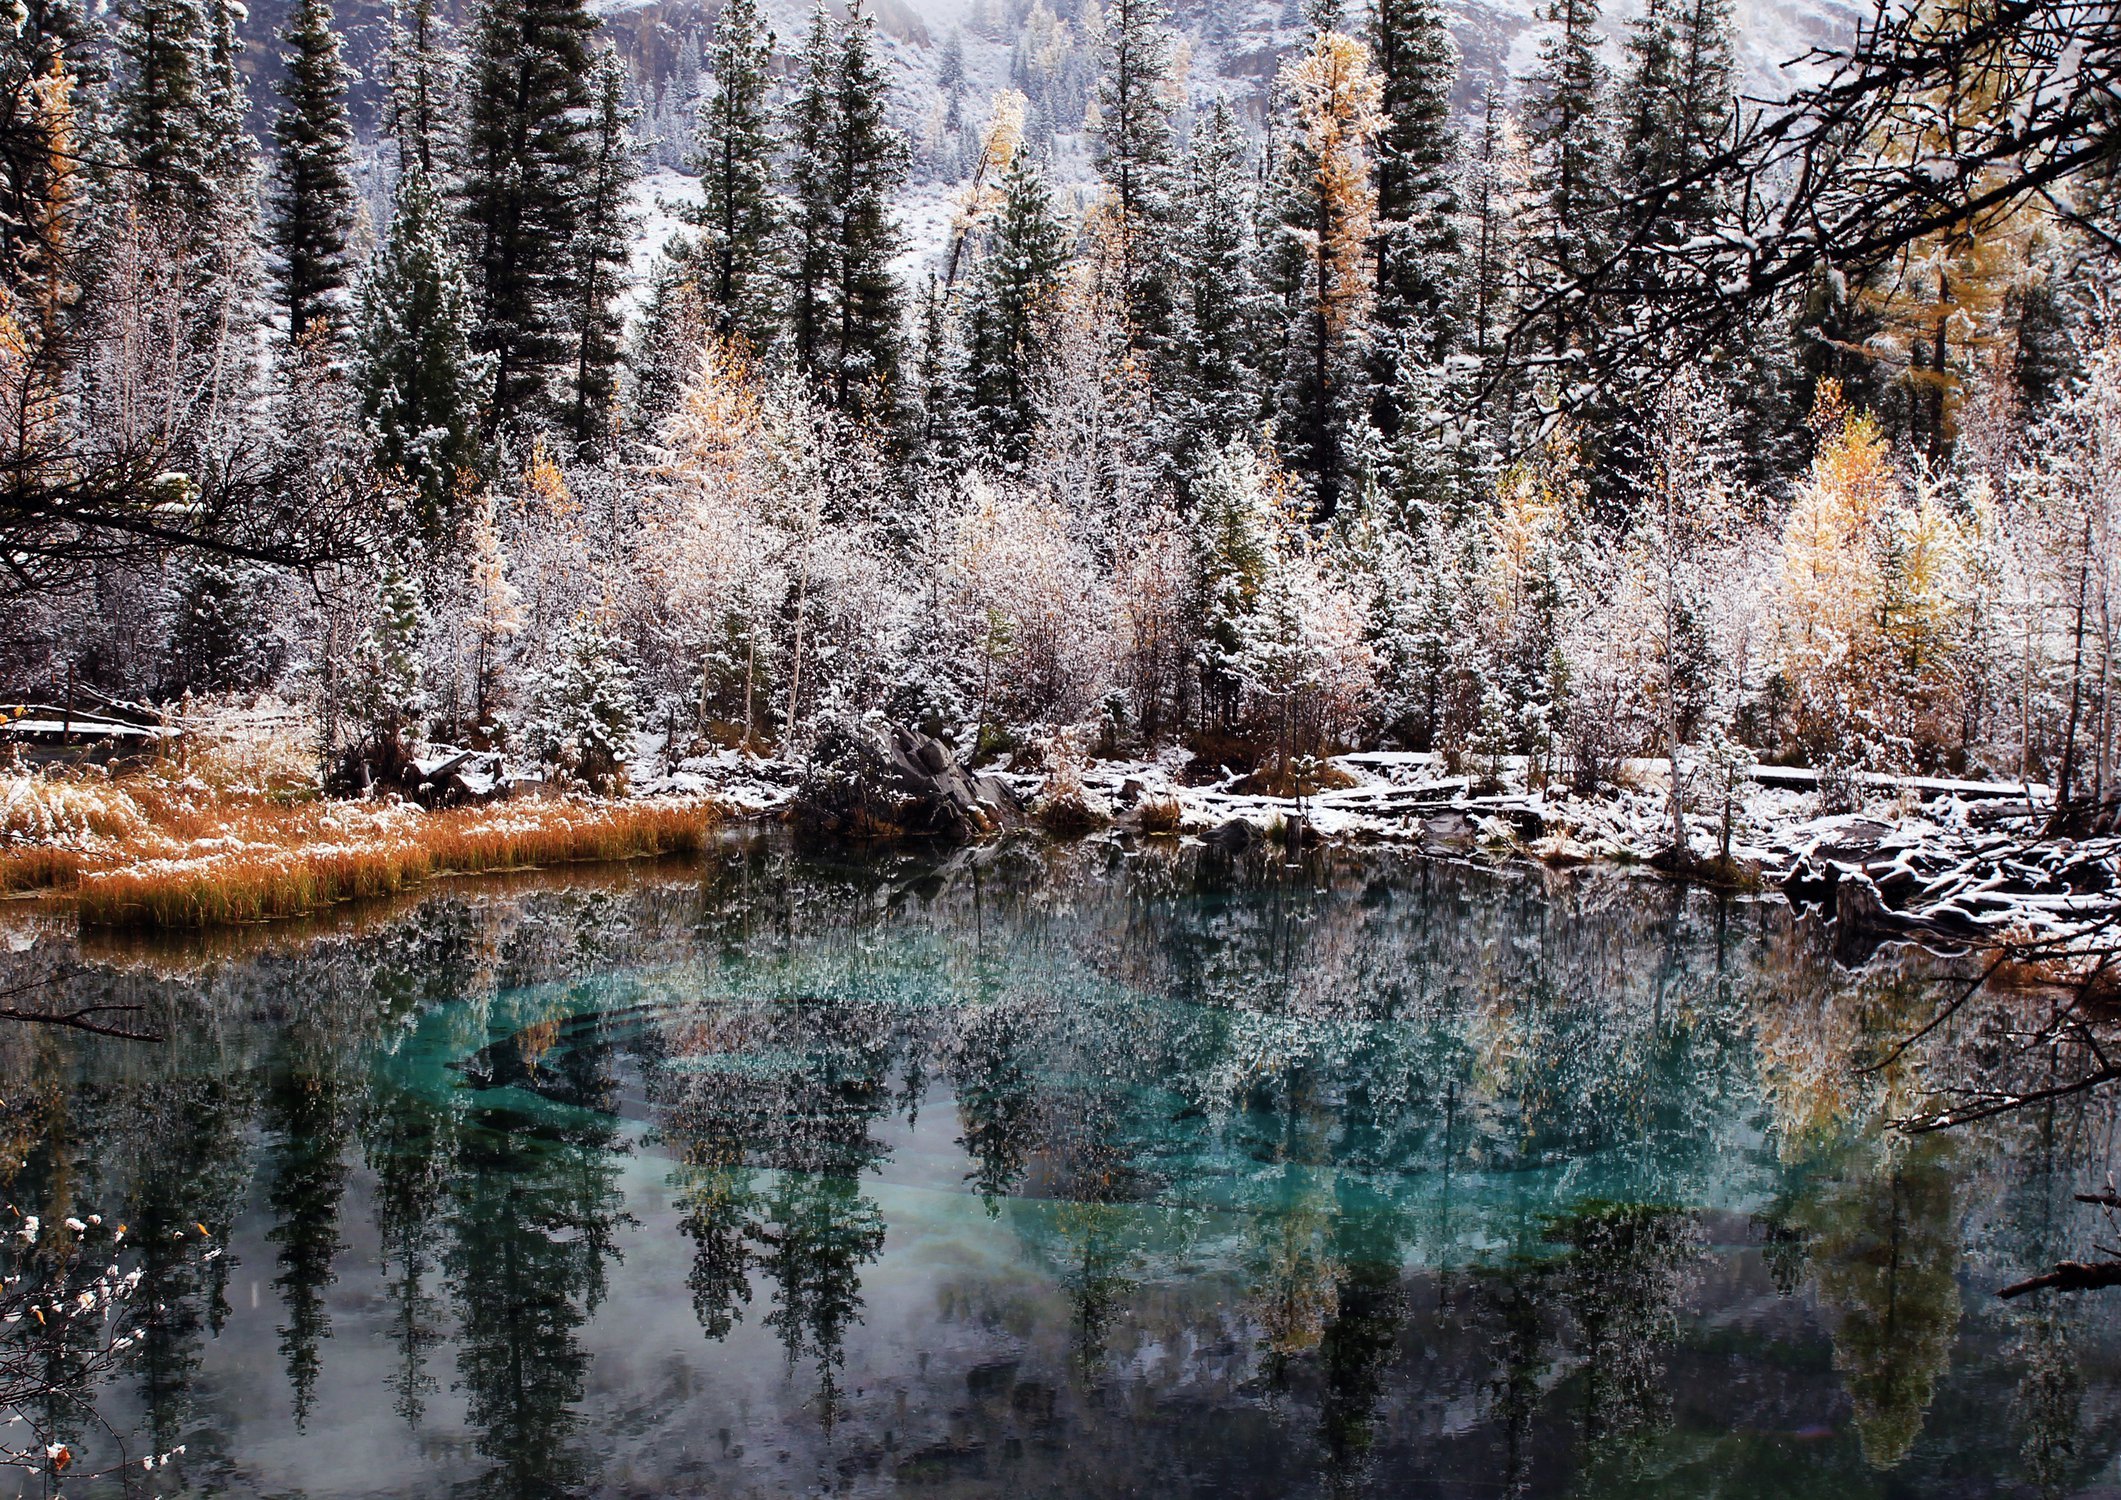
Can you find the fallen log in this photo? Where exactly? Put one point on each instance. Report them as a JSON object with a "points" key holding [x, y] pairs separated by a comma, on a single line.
{"points": [[2069, 1276]]}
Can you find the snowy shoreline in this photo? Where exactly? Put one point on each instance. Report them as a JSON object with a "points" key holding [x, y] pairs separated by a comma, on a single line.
{"points": [[1959, 863]]}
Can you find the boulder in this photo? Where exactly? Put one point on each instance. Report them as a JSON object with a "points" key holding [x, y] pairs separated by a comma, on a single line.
{"points": [[870, 779], [1233, 837]]}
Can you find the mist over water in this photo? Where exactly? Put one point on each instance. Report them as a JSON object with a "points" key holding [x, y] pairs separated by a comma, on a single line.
{"points": [[1071, 1171]]}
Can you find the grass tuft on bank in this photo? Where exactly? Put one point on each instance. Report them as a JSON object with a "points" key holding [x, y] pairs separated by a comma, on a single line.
{"points": [[184, 854]]}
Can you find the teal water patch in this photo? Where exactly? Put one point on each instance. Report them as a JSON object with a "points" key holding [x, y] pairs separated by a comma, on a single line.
{"points": [[1051, 1173]]}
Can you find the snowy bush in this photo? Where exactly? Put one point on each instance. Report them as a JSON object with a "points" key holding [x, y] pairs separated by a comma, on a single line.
{"points": [[581, 717]]}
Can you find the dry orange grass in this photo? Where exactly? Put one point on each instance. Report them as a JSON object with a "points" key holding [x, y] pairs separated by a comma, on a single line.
{"points": [[196, 858]]}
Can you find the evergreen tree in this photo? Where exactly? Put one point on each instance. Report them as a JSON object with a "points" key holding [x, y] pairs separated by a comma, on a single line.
{"points": [[1675, 108], [313, 214], [809, 129], [1219, 312], [526, 153], [582, 710], [1572, 172], [950, 78], [664, 350], [421, 383], [1327, 268], [229, 153], [602, 242], [945, 401], [1418, 241], [50, 53], [1136, 160], [388, 683], [421, 74], [737, 214], [1491, 185], [161, 93], [1013, 299], [43, 203], [844, 323]]}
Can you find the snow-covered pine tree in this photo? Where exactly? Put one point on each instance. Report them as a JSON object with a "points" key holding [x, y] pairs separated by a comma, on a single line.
{"points": [[1494, 182], [387, 681], [602, 242], [421, 383], [848, 160], [581, 717], [1676, 102], [808, 130], [1327, 213], [161, 96], [525, 155], [49, 53], [1236, 526], [229, 151], [313, 205], [1419, 295], [421, 73], [950, 79], [665, 342], [1136, 157], [737, 216], [1014, 293], [1571, 189], [1219, 312]]}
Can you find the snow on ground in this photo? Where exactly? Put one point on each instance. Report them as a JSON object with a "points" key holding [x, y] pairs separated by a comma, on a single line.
{"points": [[926, 211], [658, 202], [1957, 862]]}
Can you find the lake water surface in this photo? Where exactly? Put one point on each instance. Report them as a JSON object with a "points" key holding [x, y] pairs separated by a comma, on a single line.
{"points": [[1070, 1172]]}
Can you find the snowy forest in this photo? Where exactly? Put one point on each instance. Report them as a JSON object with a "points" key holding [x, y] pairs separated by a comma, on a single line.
{"points": [[1603, 411]]}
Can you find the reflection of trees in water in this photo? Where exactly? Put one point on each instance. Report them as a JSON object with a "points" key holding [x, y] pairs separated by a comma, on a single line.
{"points": [[2048, 1404], [533, 1206], [993, 1073], [193, 1167], [1625, 1270], [1885, 1259], [409, 1144], [1282, 1079], [1521, 1358], [795, 1090], [305, 1114], [1583, 1329], [1359, 1341], [817, 1234]]}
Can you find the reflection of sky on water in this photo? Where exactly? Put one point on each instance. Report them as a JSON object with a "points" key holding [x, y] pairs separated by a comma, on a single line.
{"points": [[1081, 1179]]}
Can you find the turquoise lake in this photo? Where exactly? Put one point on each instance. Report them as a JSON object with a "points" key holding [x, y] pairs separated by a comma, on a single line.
{"points": [[1054, 1171]]}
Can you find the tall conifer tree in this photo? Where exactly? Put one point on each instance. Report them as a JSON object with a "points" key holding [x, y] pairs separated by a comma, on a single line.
{"points": [[422, 77], [1327, 216], [1218, 305], [848, 160], [313, 208], [737, 213], [1572, 168], [602, 242], [1136, 159], [50, 54], [421, 385], [526, 154], [1419, 264], [1014, 298], [230, 152], [161, 93]]}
